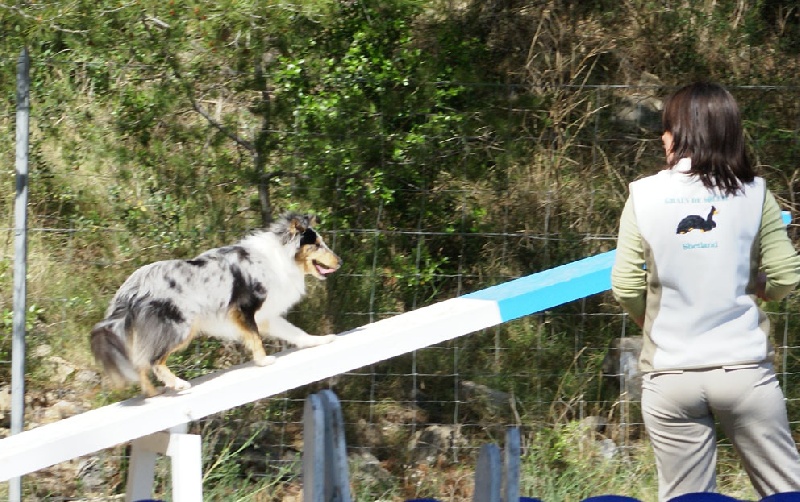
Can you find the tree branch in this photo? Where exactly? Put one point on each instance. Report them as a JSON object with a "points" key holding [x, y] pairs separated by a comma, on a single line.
{"points": [[51, 24], [175, 67]]}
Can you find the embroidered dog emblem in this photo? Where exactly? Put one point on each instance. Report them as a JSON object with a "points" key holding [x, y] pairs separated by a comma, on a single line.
{"points": [[696, 222]]}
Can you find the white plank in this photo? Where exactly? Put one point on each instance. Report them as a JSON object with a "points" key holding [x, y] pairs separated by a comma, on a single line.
{"points": [[127, 420]]}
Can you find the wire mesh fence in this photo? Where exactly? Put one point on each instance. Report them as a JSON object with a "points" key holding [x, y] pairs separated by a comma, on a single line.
{"points": [[434, 407]]}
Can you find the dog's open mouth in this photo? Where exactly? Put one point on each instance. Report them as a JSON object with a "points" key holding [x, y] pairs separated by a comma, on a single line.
{"points": [[323, 270]]}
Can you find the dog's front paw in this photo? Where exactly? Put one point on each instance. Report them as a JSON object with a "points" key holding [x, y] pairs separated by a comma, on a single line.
{"points": [[264, 361], [313, 341], [152, 392], [181, 384], [326, 339]]}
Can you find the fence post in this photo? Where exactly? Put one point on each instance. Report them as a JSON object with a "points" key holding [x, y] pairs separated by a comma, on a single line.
{"points": [[488, 474], [325, 472], [20, 260], [511, 465], [336, 470], [313, 449], [496, 478]]}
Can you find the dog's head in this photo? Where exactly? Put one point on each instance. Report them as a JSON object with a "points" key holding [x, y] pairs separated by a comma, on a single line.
{"points": [[310, 251]]}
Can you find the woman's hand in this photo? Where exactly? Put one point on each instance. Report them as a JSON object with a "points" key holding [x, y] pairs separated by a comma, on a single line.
{"points": [[761, 286]]}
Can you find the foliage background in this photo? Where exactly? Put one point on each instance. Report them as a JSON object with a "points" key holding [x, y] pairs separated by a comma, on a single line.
{"points": [[447, 146]]}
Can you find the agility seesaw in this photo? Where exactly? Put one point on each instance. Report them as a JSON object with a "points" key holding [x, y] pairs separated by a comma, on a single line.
{"points": [[142, 420]]}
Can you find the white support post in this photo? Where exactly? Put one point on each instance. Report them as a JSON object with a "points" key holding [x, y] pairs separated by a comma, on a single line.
{"points": [[185, 452], [141, 471]]}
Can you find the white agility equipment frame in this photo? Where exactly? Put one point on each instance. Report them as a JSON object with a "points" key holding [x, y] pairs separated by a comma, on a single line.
{"points": [[158, 425], [141, 420]]}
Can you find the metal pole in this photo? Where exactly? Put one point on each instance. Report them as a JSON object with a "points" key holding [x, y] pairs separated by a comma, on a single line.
{"points": [[20, 261]]}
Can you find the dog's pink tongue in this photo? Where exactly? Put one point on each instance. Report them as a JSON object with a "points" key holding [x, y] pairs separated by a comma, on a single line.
{"points": [[325, 271]]}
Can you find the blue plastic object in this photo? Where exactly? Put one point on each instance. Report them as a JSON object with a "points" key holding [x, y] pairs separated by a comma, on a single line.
{"points": [[611, 498], [703, 497], [782, 497], [521, 499]]}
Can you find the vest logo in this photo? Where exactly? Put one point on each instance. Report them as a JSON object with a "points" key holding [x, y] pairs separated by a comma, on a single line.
{"points": [[700, 245], [696, 222]]}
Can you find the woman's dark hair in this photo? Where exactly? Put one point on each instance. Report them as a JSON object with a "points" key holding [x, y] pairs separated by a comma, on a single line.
{"points": [[706, 125]]}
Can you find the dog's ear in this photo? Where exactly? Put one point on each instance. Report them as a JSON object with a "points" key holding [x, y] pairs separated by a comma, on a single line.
{"points": [[293, 226], [297, 224], [303, 222], [309, 236]]}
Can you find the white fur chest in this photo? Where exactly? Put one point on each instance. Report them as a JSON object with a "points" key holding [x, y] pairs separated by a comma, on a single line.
{"points": [[280, 275]]}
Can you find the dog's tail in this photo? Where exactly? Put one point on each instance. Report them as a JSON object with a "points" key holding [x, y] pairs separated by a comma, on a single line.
{"points": [[110, 349]]}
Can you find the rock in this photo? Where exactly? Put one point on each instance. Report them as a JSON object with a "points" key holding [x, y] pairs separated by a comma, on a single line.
{"points": [[62, 368], [496, 401], [608, 449], [640, 107], [5, 398], [432, 444], [92, 473], [42, 351], [368, 469], [87, 377], [621, 366], [594, 425], [60, 410]]}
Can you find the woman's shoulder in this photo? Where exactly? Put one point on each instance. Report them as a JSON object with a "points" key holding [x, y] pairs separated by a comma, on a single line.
{"points": [[652, 179], [757, 186]]}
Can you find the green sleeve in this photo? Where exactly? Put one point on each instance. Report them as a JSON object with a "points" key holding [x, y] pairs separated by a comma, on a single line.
{"points": [[628, 277], [779, 260]]}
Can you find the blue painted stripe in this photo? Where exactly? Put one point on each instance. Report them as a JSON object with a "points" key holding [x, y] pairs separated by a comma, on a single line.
{"points": [[550, 288], [556, 286]]}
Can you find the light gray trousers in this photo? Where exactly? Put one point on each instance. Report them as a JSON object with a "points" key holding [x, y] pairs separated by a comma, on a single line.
{"points": [[679, 410]]}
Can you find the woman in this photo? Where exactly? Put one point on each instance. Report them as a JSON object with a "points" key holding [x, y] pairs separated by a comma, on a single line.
{"points": [[698, 242]]}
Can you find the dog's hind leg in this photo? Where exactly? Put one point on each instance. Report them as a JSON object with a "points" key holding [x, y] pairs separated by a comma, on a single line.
{"points": [[163, 373], [147, 386]]}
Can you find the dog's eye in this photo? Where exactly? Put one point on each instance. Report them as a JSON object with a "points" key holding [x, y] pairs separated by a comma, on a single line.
{"points": [[309, 237]]}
